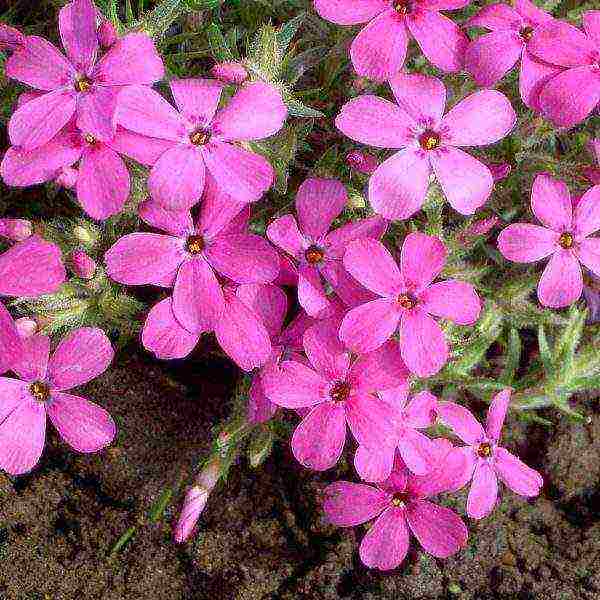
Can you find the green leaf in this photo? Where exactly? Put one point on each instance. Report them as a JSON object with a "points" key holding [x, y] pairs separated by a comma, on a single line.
{"points": [[513, 356], [159, 19], [298, 109], [566, 345], [545, 352], [286, 33], [218, 44]]}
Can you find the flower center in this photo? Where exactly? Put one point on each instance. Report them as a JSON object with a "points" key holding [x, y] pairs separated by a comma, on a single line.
{"points": [[566, 240], [200, 137], [40, 391], [314, 255], [340, 391], [194, 244], [89, 138], [83, 84], [484, 450], [429, 140], [402, 7], [407, 301], [400, 499], [526, 33]]}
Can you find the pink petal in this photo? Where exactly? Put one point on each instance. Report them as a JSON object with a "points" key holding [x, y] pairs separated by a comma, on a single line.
{"points": [[386, 544], [197, 99], [142, 149], [415, 449], [11, 347], [440, 39], [244, 175], [370, 420], [198, 301], [343, 12], [177, 223], [421, 96], [96, 111], [22, 436], [520, 478], [294, 385], [164, 336], [85, 426], [398, 187], [284, 232], [381, 369], [374, 464], [311, 295], [38, 121], [337, 240], [591, 25], [31, 268], [496, 414], [439, 530], [396, 397], [420, 411], [370, 263], [374, 121], [80, 357], [132, 60], [379, 50], [484, 491], [318, 441], [586, 219], [491, 56], [533, 77], [77, 24], [421, 260], [461, 421], [32, 365], [561, 282], [347, 289], [560, 43], [39, 64], [325, 351], [12, 392], [260, 408], [450, 469], [452, 299], [497, 17], [141, 258], [522, 242], [480, 119], [347, 504], [551, 203], [466, 182], [589, 254], [318, 203], [369, 326], [268, 302], [255, 112], [531, 12]]}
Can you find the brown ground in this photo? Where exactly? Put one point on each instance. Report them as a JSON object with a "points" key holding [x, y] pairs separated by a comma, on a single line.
{"points": [[263, 537]]}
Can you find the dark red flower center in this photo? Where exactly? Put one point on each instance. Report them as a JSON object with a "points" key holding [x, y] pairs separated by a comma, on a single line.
{"points": [[314, 255], [430, 140], [200, 137], [340, 391], [484, 450], [194, 244], [402, 7], [89, 138], [526, 33], [83, 84], [40, 391], [566, 240], [400, 498], [407, 301]]}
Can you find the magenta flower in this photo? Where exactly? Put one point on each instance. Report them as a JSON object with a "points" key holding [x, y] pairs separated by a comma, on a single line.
{"points": [[189, 257], [564, 237], [487, 461], [491, 56], [82, 264], [338, 391], [400, 505], [17, 230], [569, 97], [201, 138], [79, 85], [319, 253], [407, 300], [41, 390], [428, 141], [11, 346], [375, 463], [107, 34], [379, 50]]}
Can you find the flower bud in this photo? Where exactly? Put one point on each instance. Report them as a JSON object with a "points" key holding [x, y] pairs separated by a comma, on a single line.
{"points": [[16, 229], [67, 177], [10, 38], [82, 265], [499, 170], [592, 174], [107, 34], [229, 72], [362, 162], [482, 226], [26, 327]]}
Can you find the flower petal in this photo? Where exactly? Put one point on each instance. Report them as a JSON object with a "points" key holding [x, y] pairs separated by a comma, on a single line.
{"points": [[589, 254], [560, 43], [11, 346], [520, 478], [422, 259], [343, 12], [551, 203], [452, 299], [523, 242], [311, 295], [12, 392], [374, 464], [96, 112], [484, 491], [497, 17], [197, 99], [337, 240], [177, 223], [416, 451], [586, 219], [381, 369], [528, 10], [318, 203], [77, 24], [347, 504], [496, 414], [141, 148], [370, 420], [420, 412], [534, 76], [421, 96], [294, 385], [461, 421], [325, 351], [591, 25], [268, 301], [562, 281], [260, 408], [284, 233], [32, 365], [386, 544]]}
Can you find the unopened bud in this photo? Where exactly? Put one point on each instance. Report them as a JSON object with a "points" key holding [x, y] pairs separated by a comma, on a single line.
{"points": [[67, 177], [592, 174], [85, 235], [499, 171], [82, 265], [26, 327], [16, 229], [107, 34], [229, 72], [482, 226], [260, 447], [362, 162], [10, 38]]}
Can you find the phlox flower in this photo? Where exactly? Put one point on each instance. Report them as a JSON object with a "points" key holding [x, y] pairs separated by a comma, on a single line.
{"points": [[11, 346], [337, 390], [407, 301], [429, 140], [563, 236], [317, 251], [78, 84], [202, 138], [42, 390], [486, 459], [490, 56], [379, 50], [569, 97], [400, 505]]}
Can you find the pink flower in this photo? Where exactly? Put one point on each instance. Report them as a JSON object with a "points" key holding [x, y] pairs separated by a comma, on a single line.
{"points": [[42, 390], [230, 72], [415, 448], [11, 346], [401, 504], [82, 264], [362, 162], [569, 97], [338, 391], [407, 299], [319, 253], [379, 50], [79, 85], [491, 56], [200, 138], [429, 141], [564, 237], [487, 461], [16, 229], [10, 38]]}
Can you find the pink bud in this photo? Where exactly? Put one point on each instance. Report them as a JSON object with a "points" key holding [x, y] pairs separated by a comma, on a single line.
{"points": [[592, 174], [229, 72], [482, 226], [10, 38], [499, 170], [26, 327], [16, 229], [82, 265], [67, 177], [362, 162], [107, 34]]}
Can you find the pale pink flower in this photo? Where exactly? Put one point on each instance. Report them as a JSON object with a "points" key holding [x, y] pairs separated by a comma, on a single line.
{"points": [[486, 460], [429, 141], [564, 237], [11, 346], [41, 391], [379, 50], [79, 85], [16, 229], [230, 72], [408, 301], [203, 139]]}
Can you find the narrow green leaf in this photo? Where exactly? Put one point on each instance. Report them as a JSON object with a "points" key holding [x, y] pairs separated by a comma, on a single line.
{"points": [[513, 356], [286, 34], [545, 352], [128, 12]]}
